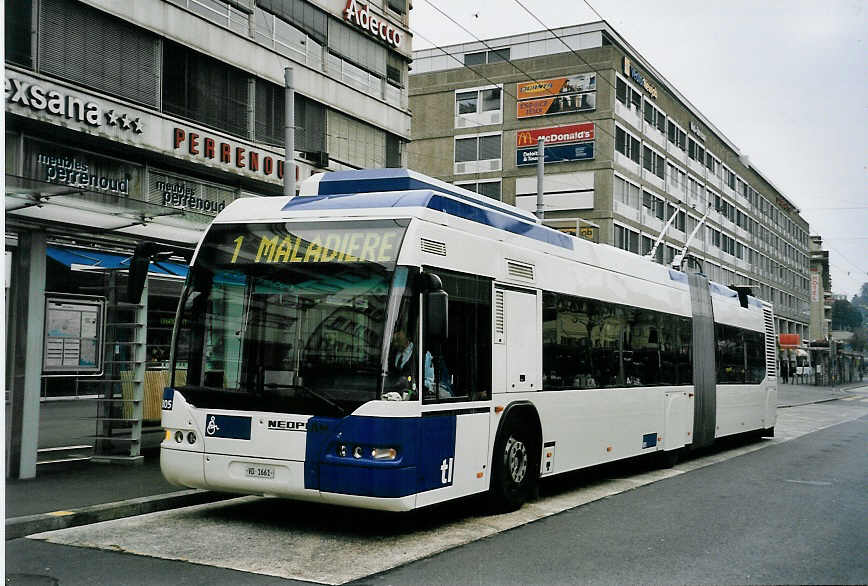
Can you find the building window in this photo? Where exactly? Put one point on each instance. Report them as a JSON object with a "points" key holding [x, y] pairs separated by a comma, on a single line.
{"points": [[353, 142], [621, 90], [205, 90], [676, 136], [395, 68], [627, 144], [18, 18], [636, 99], [729, 178], [477, 101], [655, 117], [100, 52], [653, 162], [478, 106], [483, 57], [477, 149], [393, 150], [680, 219], [695, 151], [301, 14], [712, 164], [627, 193], [655, 205], [487, 188], [399, 6], [626, 239], [357, 48]]}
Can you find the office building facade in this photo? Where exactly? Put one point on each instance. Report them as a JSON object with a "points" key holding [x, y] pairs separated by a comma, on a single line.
{"points": [[140, 120], [625, 151]]}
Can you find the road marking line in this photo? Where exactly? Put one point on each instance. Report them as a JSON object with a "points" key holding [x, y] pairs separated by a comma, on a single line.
{"points": [[810, 482]]}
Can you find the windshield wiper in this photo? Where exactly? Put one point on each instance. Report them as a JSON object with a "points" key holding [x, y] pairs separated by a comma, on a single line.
{"points": [[312, 393]]}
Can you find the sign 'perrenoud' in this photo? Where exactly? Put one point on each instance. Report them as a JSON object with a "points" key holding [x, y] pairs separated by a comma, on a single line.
{"points": [[360, 15]]}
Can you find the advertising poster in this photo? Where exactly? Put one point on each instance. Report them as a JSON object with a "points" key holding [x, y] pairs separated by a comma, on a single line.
{"points": [[566, 104], [556, 134], [580, 151], [584, 82]]}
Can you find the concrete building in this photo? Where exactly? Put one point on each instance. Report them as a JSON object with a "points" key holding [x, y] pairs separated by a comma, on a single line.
{"points": [[821, 292], [625, 152], [132, 120]]}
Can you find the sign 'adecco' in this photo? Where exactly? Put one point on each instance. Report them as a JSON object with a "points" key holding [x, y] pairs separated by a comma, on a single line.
{"points": [[359, 14]]}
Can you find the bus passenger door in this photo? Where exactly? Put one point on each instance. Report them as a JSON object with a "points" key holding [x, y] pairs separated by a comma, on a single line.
{"points": [[522, 340]]}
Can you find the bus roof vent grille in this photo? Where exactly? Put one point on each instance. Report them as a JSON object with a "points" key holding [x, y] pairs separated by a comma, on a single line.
{"points": [[433, 247], [771, 349], [520, 270]]}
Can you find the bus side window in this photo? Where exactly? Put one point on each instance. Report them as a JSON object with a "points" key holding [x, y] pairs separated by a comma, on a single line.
{"points": [[459, 369]]}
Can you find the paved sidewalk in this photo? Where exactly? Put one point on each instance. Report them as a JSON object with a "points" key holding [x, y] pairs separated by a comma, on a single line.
{"points": [[66, 495], [77, 494], [791, 395]]}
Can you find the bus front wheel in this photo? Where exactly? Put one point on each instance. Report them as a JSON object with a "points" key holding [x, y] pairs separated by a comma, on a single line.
{"points": [[514, 469]]}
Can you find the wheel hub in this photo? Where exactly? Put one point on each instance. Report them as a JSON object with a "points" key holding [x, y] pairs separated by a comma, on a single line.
{"points": [[516, 460]]}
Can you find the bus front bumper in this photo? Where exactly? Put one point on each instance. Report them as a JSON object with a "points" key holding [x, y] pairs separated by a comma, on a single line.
{"points": [[266, 477]]}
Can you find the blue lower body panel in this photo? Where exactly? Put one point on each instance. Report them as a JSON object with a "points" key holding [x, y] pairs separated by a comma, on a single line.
{"points": [[422, 445]]}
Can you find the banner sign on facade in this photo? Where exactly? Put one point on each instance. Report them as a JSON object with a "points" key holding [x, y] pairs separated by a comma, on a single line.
{"points": [[187, 194], [580, 151], [556, 134], [637, 76], [47, 162], [557, 105], [584, 82], [815, 286]]}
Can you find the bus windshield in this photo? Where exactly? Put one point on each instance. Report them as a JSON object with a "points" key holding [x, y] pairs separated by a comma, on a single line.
{"points": [[289, 317]]}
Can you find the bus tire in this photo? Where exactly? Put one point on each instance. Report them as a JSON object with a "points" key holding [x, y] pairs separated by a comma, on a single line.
{"points": [[514, 468]]}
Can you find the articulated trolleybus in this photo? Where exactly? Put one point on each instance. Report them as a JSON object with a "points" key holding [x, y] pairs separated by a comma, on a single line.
{"points": [[389, 341]]}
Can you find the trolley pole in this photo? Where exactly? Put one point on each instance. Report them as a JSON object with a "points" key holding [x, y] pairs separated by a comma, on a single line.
{"points": [[289, 135], [540, 168]]}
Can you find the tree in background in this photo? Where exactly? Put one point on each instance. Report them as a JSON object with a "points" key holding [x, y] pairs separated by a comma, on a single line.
{"points": [[845, 316], [860, 302]]}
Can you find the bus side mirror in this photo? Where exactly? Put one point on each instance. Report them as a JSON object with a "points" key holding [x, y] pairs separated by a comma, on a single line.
{"points": [[139, 270], [437, 315]]}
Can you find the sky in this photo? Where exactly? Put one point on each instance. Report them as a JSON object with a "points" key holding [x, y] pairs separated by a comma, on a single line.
{"points": [[786, 81]]}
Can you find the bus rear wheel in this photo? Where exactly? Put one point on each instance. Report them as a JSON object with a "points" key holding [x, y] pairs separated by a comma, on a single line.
{"points": [[514, 471]]}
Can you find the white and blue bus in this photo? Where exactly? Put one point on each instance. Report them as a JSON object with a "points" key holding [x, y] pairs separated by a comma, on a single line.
{"points": [[390, 341]]}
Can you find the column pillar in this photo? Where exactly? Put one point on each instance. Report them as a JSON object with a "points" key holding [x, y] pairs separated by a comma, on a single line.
{"points": [[25, 351]]}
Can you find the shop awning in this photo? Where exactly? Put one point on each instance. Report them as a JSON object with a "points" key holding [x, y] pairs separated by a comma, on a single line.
{"points": [[93, 259]]}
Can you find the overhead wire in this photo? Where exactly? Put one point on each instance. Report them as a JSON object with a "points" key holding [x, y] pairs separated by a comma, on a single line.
{"points": [[515, 66], [519, 69]]}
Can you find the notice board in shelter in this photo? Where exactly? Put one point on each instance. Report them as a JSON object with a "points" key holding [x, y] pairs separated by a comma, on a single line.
{"points": [[74, 332]]}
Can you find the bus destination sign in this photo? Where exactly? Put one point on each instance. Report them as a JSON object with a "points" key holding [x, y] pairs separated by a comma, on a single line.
{"points": [[332, 242]]}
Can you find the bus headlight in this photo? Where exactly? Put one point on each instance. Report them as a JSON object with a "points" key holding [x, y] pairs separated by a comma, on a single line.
{"points": [[179, 436], [357, 452], [342, 450], [191, 437], [384, 453]]}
